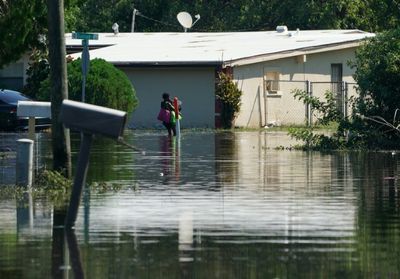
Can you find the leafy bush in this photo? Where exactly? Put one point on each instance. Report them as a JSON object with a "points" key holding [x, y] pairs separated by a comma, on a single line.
{"points": [[37, 72], [229, 94], [326, 113], [105, 86], [377, 73]]}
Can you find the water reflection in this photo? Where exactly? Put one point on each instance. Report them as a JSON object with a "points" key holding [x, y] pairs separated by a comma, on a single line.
{"points": [[65, 252], [59, 254], [170, 159], [227, 205], [75, 254], [25, 212]]}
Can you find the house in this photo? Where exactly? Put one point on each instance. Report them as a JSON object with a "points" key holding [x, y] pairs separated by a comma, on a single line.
{"points": [[267, 66]]}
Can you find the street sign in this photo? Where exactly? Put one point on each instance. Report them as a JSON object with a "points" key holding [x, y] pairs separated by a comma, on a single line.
{"points": [[85, 36]]}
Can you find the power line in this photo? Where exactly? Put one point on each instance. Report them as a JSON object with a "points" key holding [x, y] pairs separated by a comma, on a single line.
{"points": [[200, 29], [155, 20]]}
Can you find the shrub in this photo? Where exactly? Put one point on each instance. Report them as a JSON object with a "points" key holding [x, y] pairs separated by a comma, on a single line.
{"points": [[105, 86], [37, 72], [229, 95], [326, 113]]}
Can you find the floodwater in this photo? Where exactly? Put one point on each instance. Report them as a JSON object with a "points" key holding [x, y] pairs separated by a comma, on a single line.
{"points": [[213, 205]]}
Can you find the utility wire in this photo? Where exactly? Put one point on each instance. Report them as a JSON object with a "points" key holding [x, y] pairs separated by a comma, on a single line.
{"points": [[256, 28], [155, 20]]}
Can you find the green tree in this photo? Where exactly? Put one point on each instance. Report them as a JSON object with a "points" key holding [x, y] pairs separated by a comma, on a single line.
{"points": [[23, 25], [377, 65], [233, 15], [105, 86], [22, 22], [37, 72], [99, 16]]}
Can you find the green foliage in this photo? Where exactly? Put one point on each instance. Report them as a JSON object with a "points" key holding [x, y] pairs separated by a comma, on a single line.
{"points": [[105, 86], [326, 112], [375, 122], [99, 16], [237, 15], [229, 94], [21, 24], [53, 186], [318, 141], [37, 72], [22, 21], [377, 73], [363, 131]]}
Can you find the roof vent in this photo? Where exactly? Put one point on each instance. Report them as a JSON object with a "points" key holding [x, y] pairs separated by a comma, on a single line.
{"points": [[281, 29], [115, 28]]}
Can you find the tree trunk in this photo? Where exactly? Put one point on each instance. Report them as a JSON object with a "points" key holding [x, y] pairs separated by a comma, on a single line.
{"points": [[59, 86]]}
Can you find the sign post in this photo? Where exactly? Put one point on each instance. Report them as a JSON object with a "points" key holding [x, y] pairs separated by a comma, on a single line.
{"points": [[85, 37]]}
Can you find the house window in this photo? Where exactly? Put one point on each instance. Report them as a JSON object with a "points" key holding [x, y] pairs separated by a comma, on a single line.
{"points": [[271, 82]]}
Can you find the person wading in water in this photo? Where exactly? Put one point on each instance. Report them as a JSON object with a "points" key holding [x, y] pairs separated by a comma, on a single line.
{"points": [[167, 108]]}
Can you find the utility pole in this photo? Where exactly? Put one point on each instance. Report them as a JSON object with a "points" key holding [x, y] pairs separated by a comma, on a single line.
{"points": [[134, 13], [59, 86]]}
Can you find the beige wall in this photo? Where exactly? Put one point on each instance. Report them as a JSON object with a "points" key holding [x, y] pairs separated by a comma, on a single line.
{"points": [[258, 110], [194, 86]]}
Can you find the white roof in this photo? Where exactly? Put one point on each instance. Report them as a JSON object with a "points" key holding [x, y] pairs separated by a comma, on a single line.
{"points": [[228, 48]]}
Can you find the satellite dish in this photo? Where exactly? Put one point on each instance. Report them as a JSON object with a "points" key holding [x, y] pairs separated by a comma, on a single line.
{"points": [[185, 19]]}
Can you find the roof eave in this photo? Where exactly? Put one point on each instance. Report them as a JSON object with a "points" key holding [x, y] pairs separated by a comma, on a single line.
{"points": [[141, 64], [79, 48], [291, 53]]}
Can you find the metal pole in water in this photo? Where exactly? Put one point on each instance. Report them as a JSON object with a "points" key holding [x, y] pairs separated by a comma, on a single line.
{"points": [[79, 181], [178, 125], [24, 164], [74, 254], [31, 128], [85, 66]]}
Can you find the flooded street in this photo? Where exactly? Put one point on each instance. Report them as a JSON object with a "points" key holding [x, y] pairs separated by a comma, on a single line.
{"points": [[213, 205]]}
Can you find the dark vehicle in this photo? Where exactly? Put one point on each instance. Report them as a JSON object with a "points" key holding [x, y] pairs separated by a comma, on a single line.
{"points": [[9, 121]]}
